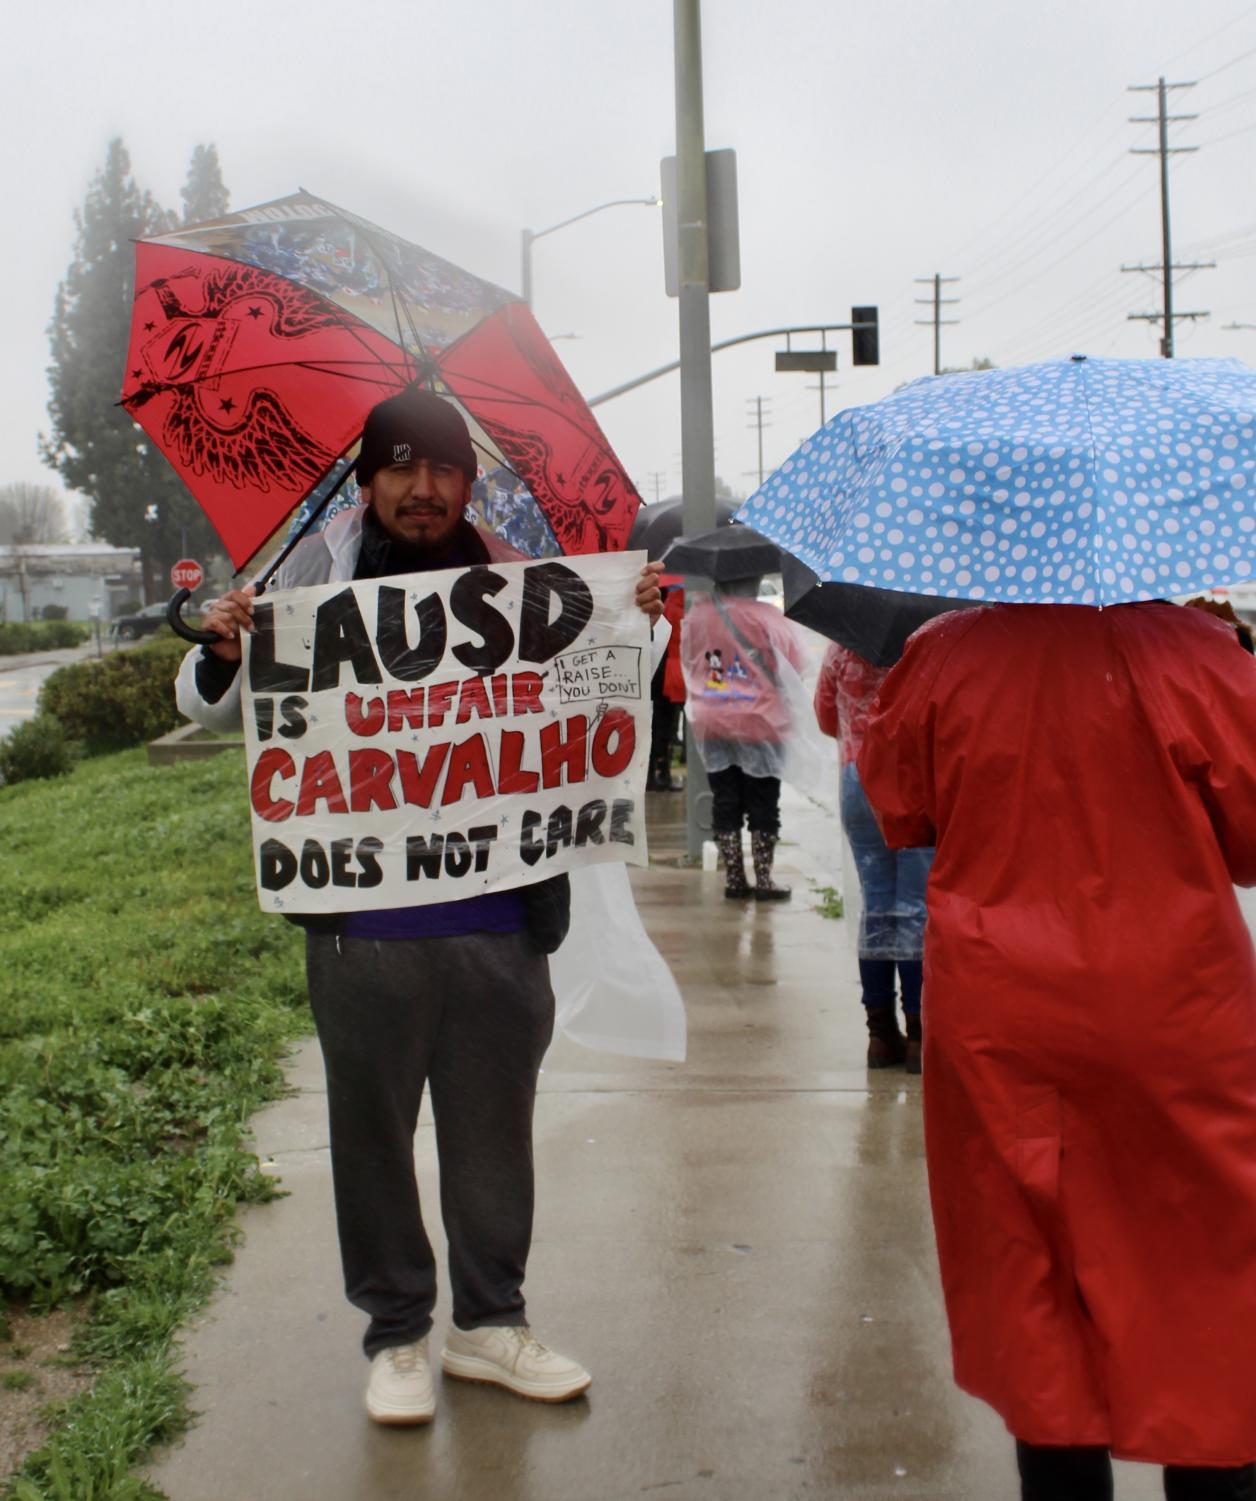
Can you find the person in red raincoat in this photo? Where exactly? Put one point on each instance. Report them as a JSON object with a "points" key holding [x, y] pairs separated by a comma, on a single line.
{"points": [[667, 693], [1089, 779]]}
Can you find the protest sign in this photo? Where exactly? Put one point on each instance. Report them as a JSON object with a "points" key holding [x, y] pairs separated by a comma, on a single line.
{"points": [[427, 737]]}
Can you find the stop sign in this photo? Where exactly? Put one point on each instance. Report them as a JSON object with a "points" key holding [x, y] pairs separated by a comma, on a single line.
{"points": [[187, 573]]}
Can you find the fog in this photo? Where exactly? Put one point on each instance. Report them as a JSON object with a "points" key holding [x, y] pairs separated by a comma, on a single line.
{"points": [[876, 144]]}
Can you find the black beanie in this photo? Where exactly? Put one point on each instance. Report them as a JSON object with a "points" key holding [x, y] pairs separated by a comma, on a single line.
{"points": [[414, 424]]}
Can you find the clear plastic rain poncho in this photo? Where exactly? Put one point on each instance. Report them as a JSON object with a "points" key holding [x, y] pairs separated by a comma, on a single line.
{"points": [[888, 896], [747, 702]]}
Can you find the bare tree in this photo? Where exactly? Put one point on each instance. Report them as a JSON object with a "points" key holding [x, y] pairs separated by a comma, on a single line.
{"points": [[31, 514]]}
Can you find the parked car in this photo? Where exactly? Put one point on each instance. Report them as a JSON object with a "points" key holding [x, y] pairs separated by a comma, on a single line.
{"points": [[141, 623]]}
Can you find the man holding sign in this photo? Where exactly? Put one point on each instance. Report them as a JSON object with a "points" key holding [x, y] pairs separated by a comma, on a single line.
{"points": [[424, 756]]}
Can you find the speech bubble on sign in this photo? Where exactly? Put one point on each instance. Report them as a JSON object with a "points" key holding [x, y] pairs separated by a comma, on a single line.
{"points": [[598, 673]]}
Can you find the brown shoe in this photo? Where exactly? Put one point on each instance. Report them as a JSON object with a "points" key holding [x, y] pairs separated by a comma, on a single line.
{"points": [[887, 1047]]}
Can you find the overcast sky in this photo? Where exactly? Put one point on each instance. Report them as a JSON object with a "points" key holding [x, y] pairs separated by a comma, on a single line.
{"points": [[876, 142]]}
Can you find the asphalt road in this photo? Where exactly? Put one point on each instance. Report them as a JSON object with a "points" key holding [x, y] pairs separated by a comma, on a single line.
{"points": [[21, 678]]}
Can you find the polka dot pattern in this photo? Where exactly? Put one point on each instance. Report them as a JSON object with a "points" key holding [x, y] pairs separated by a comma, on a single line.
{"points": [[1068, 482]]}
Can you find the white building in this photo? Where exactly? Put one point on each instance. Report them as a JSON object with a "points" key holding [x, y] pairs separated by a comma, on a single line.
{"points": [[86, 578]]}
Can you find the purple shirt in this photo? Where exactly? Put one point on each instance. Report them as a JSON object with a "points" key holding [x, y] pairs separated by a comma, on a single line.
{"points": [[498, 912]]}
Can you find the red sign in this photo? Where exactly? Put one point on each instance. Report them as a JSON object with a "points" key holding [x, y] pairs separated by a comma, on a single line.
{"points": [[187, 573]]}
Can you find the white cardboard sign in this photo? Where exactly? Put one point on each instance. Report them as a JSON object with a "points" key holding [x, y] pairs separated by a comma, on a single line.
{"points": [[433, 736]]}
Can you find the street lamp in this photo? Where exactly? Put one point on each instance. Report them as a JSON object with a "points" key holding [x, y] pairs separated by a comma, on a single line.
{"points": [[530, 235]]}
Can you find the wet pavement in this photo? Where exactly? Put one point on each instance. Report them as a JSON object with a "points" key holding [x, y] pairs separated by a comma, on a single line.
{"points": [[738, 1247], [21, 678]]}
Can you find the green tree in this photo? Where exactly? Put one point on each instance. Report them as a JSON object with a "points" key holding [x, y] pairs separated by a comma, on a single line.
{"points": [[205, 194], [978, 364], [136, 498]]}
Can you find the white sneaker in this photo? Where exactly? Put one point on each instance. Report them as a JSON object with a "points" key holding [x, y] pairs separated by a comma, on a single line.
{"points": [[504, 1355], [400, 1389]]}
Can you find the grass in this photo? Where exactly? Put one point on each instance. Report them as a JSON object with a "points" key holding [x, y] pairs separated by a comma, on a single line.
{"points": [[147, 1004], [830, 903]]}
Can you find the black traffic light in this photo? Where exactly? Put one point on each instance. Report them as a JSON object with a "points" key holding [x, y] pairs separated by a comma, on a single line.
{"points": [[866, 341]]}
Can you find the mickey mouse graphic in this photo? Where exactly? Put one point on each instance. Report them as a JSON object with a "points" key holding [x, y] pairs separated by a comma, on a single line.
{"points": [[715, 670]]}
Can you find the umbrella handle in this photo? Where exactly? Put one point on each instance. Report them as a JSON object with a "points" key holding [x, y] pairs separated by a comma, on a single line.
{"points": [[174, 618]]}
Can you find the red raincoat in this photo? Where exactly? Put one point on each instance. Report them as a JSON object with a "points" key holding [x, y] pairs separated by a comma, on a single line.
{"points": [[1090, 1003]]}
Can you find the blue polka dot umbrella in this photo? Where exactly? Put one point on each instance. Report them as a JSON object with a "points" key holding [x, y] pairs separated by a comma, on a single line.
{"points": [[1073, 481]]}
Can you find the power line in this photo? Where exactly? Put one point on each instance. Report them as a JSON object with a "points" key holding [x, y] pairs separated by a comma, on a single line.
{"points": [[1079, 307], [1219, 242], [1068, 330], [1035, 189], [1242, 57], [1049, 215], [1211, 36], [1229, 135], [1222, 106], [1064, 255]]}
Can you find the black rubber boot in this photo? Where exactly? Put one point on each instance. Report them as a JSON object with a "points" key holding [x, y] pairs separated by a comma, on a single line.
{"points": [[887, 1046], [1049, 1473], [1183, 1483], [763, 849], [736, 887]]}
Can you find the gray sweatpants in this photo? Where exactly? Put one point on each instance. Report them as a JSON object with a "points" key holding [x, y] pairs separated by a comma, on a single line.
{"points": [[472, 1017]]}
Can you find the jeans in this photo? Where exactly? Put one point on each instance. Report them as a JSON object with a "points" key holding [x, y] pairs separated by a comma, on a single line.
{"points": [[892, 881]]}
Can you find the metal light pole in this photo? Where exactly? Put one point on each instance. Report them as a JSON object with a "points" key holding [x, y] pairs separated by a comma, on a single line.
{"points": [[696, 419], [530, 236]]}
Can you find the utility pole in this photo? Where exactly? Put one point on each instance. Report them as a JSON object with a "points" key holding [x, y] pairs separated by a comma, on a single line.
{"points": [[938, 302], [822, 387], [657, 477], [1167, 316], [757, 420], [697, 423]]}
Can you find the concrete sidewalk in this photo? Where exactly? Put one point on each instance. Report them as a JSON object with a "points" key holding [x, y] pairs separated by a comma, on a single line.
{"points": [[739, 1248]]}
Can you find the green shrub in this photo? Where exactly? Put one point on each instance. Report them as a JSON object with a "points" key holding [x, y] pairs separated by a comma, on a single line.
{"points": [[128, 607], [41, 635], [55, 612], [36, 748], [122, 700]]}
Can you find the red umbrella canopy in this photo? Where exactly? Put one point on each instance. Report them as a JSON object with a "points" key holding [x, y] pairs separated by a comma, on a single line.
{"points": [[260, 341]]}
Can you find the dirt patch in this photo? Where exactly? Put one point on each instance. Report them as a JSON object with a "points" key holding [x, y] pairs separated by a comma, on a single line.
{"points": [[35, 1374]]}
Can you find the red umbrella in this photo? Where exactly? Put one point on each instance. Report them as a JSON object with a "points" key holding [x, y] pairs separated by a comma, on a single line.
{"points": [[260, 341]]}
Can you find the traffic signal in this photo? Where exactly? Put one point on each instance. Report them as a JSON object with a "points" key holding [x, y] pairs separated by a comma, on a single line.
{"points": [[866, 341]]}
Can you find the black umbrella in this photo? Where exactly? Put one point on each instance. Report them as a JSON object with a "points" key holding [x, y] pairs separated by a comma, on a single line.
{"points": [[726, 554], [658, 525], [873, 622]]}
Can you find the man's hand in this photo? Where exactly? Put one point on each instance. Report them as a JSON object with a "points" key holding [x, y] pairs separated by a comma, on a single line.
{"points": [[229, 616], [648, 597]]}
